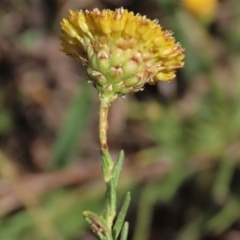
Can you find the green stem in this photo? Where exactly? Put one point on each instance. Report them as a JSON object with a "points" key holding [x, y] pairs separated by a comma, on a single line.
{"points": [[102, 226], [107, 163]]}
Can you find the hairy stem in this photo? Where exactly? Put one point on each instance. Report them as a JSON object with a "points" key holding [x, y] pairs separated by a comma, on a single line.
{"points": [[107, 163], [103, 123]]}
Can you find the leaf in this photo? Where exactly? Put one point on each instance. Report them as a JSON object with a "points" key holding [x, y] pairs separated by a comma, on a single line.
{"points": [[117, 168], [225, 218], [121, 216], [112, 198], [98, 225], [221, 186], [107, 165], [124, 233]]}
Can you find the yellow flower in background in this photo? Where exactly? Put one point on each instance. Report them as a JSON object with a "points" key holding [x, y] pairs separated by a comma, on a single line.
{"points": [[121, 51], [201, 8]]}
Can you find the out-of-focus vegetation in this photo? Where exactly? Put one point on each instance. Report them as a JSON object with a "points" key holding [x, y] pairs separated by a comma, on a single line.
{"points": [[181, 139]]}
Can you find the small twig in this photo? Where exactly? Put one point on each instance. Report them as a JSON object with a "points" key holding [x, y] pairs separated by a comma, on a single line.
{"points": [[39, 184]]}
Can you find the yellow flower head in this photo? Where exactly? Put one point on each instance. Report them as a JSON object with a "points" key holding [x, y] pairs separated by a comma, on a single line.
{"points": [[121, 51]]}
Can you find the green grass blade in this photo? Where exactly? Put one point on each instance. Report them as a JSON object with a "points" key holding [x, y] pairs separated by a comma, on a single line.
{"points": [[222, 220], [222, 181], [72, 128]]}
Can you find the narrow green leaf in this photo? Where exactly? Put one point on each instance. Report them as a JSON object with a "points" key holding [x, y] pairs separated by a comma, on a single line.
{"points": [[111, 203], [145, 211], [124, 233], [106, 155], [98, 225], [117, 168], [121, 216], [112, 198], [72, 128], [193, 229], [222, 220], [107, 165], [222, 181]]}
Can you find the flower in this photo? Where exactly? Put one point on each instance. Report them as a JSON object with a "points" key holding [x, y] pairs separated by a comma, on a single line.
{"points": [[201, 8], [121, 51]]}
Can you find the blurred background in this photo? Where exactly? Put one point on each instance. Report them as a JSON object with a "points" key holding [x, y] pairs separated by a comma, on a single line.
{"points": [[181, 139]]}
